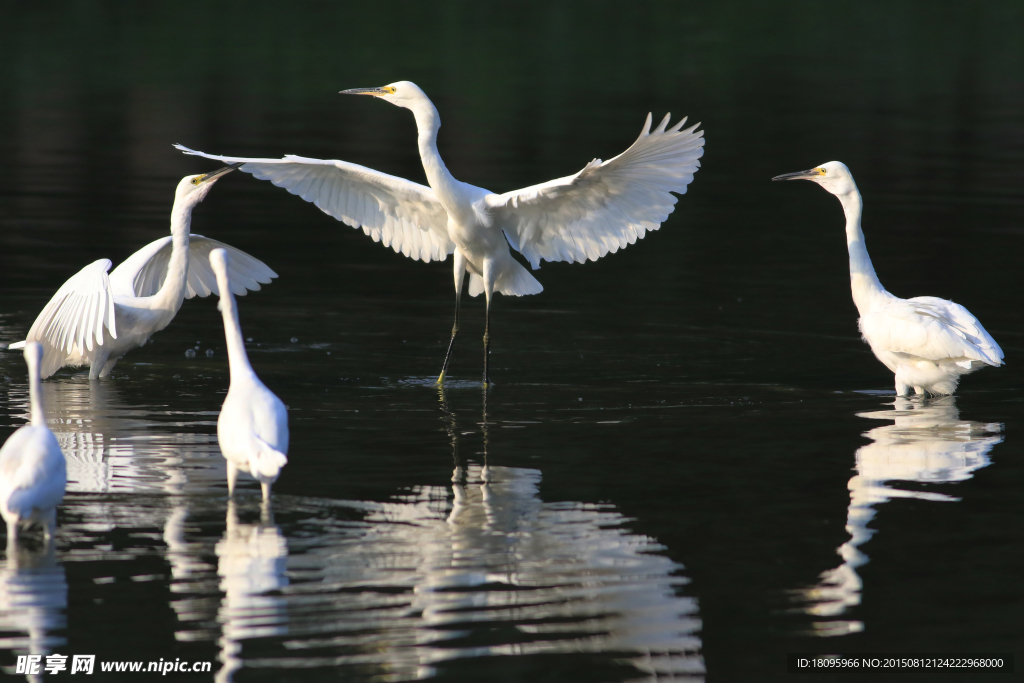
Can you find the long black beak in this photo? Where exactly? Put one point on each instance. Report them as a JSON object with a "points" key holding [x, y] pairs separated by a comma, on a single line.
{"points": [[213, 175], [809, 174], [363, 91]]}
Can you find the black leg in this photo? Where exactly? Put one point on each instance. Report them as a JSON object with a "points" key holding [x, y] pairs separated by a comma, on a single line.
{"points": [[487, 338], [451, 344]]}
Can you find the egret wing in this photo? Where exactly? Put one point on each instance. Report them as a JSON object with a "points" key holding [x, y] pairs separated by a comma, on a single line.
{"points": [[76, 315], [607, 205], [144, 272], [963, 324], [401, 214], [245, 272], [931, 328]]}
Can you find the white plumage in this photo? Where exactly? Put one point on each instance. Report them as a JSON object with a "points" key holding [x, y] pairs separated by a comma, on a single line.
{"points": [[95, 318], [926, 341], [601, 209], [253, 425], [33, 472]]}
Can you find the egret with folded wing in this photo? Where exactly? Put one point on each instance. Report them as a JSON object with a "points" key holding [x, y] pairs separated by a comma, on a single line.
{"points": [[927, 342]]}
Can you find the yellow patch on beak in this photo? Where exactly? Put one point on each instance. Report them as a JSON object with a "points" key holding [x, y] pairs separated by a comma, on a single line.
{"points": [[389, 89]]}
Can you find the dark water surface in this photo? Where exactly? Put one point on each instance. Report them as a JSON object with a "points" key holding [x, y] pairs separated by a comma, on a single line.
{"points": [[688, 465]]}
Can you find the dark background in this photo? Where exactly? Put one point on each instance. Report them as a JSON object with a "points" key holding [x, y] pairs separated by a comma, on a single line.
{"points": [[726, 343]]}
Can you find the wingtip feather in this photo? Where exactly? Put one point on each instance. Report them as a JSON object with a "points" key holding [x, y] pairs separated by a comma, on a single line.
{"points": [[647, 126], [676, 128]]}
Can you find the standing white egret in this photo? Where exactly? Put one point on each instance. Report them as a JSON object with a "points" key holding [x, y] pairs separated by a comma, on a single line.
{"points": [[580, 217], [141, 296], [32, 468], [253, 425], [928, 342]]}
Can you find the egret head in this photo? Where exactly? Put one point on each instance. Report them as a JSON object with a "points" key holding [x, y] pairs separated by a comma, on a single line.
{"points": [[401, 93], [833, 176], [219, 263], [194, 188]]}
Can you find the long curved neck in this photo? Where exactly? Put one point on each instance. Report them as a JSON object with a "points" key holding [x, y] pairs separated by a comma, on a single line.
{"points": [[35, 390], [438, 177], [238, 359], [172, 292], [867, 290]]}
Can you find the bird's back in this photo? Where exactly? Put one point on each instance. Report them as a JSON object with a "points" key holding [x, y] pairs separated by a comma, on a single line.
{"points": [[250, 408], [930, 328], [33, 471]]}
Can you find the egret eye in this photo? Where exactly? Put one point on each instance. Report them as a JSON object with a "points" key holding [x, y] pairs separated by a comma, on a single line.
{"points": [[195, 181]]}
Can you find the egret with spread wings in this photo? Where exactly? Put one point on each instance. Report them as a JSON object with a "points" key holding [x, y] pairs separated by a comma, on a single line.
{"points": [[581, 217], [95, 318], [926, 341]]}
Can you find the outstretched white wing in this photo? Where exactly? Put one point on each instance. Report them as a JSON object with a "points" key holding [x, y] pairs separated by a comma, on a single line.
{"points": [[75, 316], [607, 205], [404, 215], [931, 328], [142, 273]]}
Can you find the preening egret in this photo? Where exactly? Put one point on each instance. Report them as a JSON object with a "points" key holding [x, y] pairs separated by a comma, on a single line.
{"points": [[928, 342], [141, 296], [580, 217], [32, 468], [253, 425]]}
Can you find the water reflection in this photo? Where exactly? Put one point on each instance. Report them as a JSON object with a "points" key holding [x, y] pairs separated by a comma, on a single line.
{"points": [[927, 444], [33, 601], [393, 590], [112, 446], [396, 590], [251, 561]]}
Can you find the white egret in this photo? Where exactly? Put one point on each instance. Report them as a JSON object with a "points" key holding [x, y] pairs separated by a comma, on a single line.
{"points": [[141, 296], [580, 217], [33, 472], [253, 425], [928, 342]]}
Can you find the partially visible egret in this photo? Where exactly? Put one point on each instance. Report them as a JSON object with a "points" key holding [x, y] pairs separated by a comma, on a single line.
{"points": [[141, 296], [32, 468], [601, 209], [253, 425], [928, 342]]}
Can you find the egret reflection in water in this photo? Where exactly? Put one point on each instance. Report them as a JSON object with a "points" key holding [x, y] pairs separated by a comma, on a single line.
{"points": [[33, 601], [927, 444], [251, 560], [398, 590], [113, 446]]}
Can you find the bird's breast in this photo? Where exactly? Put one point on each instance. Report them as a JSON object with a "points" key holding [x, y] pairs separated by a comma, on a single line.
{"points": [[476, 241]]}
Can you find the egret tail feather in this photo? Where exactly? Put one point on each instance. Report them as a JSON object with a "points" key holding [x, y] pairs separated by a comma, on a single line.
{"points": [[267, 461], [513, 280]]}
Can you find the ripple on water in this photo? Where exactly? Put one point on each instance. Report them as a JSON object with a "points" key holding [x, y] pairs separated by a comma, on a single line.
{"points": [[927, 444], [402, 587]]}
